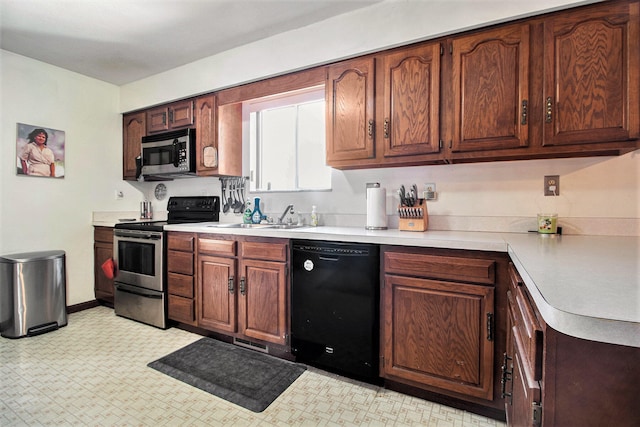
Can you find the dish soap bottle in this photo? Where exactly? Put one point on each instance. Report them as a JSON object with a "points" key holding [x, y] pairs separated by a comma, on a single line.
{"points": [[256, 215], [314, 216], [246, 216]]}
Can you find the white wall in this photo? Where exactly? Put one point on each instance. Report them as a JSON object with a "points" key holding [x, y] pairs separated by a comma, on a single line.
{"points": [[49, 213]]}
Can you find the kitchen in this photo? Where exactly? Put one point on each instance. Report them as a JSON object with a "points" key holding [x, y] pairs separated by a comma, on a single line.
{"points": [[599, 195]]}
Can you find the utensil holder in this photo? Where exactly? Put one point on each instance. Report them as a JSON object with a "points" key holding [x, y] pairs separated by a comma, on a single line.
{"points": [[413, 218]]}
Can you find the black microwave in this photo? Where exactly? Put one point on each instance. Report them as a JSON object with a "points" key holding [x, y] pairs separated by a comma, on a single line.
{"points": [[169, 153]]}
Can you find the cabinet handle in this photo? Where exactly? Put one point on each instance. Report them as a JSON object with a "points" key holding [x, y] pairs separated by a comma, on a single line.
{"points": [[523, 117], [231, 286], [243, 286], [506, 376], [370, 129], [386, 128], [549, 109]]}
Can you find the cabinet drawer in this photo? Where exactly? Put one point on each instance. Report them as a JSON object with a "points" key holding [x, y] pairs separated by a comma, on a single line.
{"points": [[216, 246], [182, 309], [180, 242], [472, 270], [180, 262], [179, 284], [264, 250], [527, 331], [103, 234]]}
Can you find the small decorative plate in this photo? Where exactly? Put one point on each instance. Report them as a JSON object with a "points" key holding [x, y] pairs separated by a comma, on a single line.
{"points": [[160, 191]]}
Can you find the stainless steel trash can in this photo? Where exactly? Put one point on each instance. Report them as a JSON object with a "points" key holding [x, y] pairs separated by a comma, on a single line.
{"points": [[33, 298]]}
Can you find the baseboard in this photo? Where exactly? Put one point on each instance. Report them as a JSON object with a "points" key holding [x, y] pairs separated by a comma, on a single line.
{"points": [[82, 306]]}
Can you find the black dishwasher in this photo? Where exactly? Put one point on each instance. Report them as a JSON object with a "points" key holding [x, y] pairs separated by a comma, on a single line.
{"points": [[335, 296]]}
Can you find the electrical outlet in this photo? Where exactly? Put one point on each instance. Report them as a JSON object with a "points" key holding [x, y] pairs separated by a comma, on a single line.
{"points": [[430, 191], [552, 185], [119, 195]]}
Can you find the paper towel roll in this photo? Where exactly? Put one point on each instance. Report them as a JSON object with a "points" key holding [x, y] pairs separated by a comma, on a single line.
{"points": [[376, 208]]}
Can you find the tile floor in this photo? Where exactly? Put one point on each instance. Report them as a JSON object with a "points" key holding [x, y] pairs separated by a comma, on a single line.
{"points": [[94, 372]]}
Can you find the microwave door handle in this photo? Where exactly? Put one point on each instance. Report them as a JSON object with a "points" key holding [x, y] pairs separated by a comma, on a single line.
{"points": [[176, 152]]}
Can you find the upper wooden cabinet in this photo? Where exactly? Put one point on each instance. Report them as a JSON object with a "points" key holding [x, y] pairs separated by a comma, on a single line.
{"points": [[490, 90], [591, 71], [384, 110], [172, 116], [350, 121], [133, 129], [218, 138], [410, 102]]}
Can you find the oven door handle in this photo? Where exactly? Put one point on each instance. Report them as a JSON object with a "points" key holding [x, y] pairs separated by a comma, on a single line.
{"points": [[138, 291]]}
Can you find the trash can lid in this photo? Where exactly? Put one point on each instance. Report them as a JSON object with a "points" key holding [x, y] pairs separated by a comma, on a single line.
{"points": [[31, 256]]}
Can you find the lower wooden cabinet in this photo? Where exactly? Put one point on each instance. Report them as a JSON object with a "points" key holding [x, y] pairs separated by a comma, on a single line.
{"points": [[102, 251], [439, 313], [180, 277], [552, 379], [243, 287]]}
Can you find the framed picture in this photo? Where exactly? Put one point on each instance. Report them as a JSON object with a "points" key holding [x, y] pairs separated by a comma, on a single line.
{"points": [[40, 151]]}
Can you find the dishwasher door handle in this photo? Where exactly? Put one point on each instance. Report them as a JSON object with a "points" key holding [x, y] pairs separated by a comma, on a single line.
{"points": [[324, 258]]}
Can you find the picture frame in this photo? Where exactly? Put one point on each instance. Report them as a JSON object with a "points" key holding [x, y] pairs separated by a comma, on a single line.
{"points": [[40, 151]]}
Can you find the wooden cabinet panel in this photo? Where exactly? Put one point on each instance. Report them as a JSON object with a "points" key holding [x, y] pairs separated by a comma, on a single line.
{"points": [[216, 309], [212, 245], [411, 101], [436, 333], [180, 262], [230, 140], [182, 309], [133, 129], [350, 111], [102, 251], [441, 267], [173, 116], [262, 303], [490, 81], [206, 137], [180, 285], [270, 251], [592, 70], [180, 268], [103, 286], [180, 241]]}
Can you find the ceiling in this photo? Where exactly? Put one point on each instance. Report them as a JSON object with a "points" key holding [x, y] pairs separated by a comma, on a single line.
{"points": [[120, 41]]}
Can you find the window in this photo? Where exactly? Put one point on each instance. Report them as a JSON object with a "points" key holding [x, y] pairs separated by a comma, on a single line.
{"points": [[287, 142]]}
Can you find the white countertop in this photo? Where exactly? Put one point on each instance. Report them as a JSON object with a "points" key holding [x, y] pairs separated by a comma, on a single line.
{"points": [[584, 286]]}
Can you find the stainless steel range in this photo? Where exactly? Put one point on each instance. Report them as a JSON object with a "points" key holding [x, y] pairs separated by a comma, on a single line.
{"points": [[139, 254]]}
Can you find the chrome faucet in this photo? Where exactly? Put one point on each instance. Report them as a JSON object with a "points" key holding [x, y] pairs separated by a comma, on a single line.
{"points": [[286, 210]]}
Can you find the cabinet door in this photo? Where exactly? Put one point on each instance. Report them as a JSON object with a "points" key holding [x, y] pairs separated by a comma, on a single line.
{"points": [[490, 78], [439, 334], [350, 111], [158, 119], [181, 114], [216, 297], [172, 116], [133, 129], [592, 64], [103, 287], [262, 303], [206, 144], [410, 122]]}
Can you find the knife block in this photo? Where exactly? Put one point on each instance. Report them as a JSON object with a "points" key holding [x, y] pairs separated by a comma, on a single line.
{"points": [[413, 218]]}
